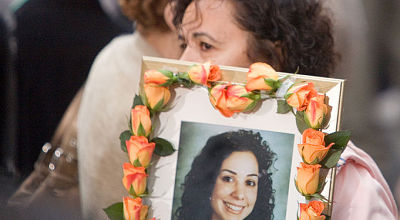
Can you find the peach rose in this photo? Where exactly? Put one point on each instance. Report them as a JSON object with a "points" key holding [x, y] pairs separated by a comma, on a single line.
{"points": [[299, 95], [155, 77], [317, 112], [258, 73], [157, 96], [140, 149], [219, 100], [312, 211], [134, 209], [307, 178], [313, 149], [134, 177], [203, 73], [141, 122], [235, 102]]}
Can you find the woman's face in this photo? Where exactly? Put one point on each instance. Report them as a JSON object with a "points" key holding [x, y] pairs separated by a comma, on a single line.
{"points": [[209, 33], [235, 191]]}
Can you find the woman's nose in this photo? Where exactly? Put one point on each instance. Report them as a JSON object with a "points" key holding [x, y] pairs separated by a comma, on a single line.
{"points": [[238, 192], [190, 54]]}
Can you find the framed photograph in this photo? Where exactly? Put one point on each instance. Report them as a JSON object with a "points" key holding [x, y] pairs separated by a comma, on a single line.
{"points": [[197, 173]]}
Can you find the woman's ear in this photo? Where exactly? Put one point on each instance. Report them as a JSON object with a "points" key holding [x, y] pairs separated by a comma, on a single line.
{"points": [[169, 15]]}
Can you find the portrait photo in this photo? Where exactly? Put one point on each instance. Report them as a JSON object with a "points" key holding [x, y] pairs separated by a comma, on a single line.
{"points": [[231, 172]]}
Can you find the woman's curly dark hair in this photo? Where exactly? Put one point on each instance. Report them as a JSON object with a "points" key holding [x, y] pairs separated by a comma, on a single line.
{"points": [[287, 34], [200, 181], [149, 13]]}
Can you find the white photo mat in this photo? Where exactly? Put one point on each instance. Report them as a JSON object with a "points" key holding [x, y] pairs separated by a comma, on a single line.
{"points": [[193, 105]]}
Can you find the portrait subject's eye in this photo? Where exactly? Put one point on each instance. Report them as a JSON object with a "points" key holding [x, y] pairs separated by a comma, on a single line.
{"points": [[205, 46], [227, 179], [251, 183]]}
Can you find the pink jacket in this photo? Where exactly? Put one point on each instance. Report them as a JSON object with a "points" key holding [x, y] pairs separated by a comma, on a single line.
{"points": [[361, 191]]}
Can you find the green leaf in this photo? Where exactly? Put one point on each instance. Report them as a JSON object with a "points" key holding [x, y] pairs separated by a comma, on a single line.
{"points": [[144, 99], [124, 136], [283, 107], [251, 106], [141, 131], [167, 73], [163, 147], [137, 101], [137, 163], [318, 196], [270, 82], [331, 158], [132, 192], [158, 107], [115, 211], [340, 138], [168, 83], [252, 96], [184, 80], [300, 122]]}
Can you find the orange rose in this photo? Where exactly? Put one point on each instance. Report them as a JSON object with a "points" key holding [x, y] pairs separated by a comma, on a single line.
{"points": [[313, 149], [317, 112], [134, 177], [141, 122], [219, 100], [157, 96], [235, 102], [307, 178], [312, 211], [258, 73], [134, 209], [203, 73], [299, 95], [155, 77], [215, 74], [140, 149]]}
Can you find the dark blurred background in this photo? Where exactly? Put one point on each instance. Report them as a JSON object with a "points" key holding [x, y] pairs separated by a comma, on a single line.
{"points": [[47, 47]]}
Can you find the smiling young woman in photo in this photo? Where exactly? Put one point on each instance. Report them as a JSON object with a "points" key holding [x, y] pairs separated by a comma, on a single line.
{"points": [[230, 179]]}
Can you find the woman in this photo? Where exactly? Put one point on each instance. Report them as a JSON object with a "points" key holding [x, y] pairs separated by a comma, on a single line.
{"points": [[288, 34], [107, 97], [230, 179]]}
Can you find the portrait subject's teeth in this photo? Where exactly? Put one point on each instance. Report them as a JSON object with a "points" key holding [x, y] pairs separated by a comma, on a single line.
{"points": [[233, 207]]}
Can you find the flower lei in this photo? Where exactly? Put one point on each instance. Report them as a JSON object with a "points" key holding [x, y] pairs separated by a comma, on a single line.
{"points": [[318, 150]]}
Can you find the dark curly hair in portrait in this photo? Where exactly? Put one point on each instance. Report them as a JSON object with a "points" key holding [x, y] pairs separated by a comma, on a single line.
{"points": [[287, 34], [200, 181]]}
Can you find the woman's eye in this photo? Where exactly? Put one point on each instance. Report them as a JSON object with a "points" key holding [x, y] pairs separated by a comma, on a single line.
{"points": [[250, 183], [227, 179], [183, 46], [205, 46]]}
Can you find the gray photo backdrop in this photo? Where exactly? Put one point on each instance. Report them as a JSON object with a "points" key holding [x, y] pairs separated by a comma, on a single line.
{"points": [[194, 136]]}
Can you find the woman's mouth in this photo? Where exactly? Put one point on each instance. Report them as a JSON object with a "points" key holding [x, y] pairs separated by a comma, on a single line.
{"points": [[235, 209]]}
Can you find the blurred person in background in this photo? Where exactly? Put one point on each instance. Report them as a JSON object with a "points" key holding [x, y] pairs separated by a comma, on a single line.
{"points": [[107, 98], [368, 37], [384, 18], [8, 114], [8, 89], [57, 42]]}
